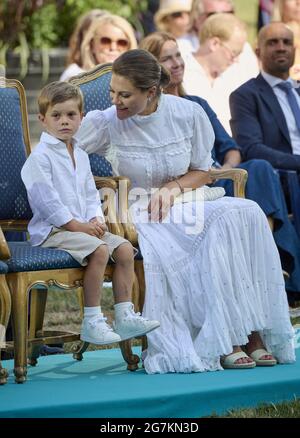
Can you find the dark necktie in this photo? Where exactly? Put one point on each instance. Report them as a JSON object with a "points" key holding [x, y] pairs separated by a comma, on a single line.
{"points": [[288, 89]]}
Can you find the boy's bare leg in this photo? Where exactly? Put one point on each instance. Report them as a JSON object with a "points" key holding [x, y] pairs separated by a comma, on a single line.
{"points": [[123, 275], [93, 276]]}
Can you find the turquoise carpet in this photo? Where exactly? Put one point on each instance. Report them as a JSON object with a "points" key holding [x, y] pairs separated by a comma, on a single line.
{"points": [[100, 386]]}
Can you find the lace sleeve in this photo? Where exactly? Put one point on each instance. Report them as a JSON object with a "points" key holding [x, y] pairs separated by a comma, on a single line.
{"points": [[93, 135]]}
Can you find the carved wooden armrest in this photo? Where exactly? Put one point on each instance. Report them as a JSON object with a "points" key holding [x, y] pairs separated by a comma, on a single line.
{"points": [[109, 196], [107, 182], [238, 176], [14, 225], [4, 249], [124, 214]]}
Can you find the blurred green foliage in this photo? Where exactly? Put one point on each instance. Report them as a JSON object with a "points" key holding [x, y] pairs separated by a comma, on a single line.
{"points": [[46, 23]]}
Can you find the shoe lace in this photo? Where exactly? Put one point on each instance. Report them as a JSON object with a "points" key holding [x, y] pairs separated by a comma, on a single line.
{"points": [[131, 314], [100, 319]]}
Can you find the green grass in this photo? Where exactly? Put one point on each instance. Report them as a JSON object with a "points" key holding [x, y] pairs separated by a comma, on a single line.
{"points": [[280, 410]]}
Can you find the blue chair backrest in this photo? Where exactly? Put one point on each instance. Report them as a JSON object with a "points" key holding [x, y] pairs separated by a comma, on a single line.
{"points": [[13, 197], [95, 89]]}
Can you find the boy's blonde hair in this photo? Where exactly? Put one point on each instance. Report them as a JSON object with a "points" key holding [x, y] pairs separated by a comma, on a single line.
{"points": [[58, 92], [220, 25]]}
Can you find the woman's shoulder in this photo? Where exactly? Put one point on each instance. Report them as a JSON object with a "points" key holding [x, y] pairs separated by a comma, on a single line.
{"points": [[176, 102], [184, 107], [107, 115]]}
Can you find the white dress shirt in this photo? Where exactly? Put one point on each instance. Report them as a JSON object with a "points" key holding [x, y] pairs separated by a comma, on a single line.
{"points": [[273, 81], [58, 192]]}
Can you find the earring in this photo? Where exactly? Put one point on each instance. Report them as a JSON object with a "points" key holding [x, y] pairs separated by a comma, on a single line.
{"points": [[148, 100]]}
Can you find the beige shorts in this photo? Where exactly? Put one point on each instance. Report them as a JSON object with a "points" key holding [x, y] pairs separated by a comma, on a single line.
{"points": [[80, 245]]}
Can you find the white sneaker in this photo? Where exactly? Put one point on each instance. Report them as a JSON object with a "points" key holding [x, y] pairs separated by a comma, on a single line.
{"points": [[129, 324], [97, 331]]}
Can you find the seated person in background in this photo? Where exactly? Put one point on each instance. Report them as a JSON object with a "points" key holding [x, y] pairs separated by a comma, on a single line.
{"points": [[173, 16], [245, 66], [263, 185], [288, 11], [266, 110], [212, 270], [265, 8], [222, 39], [107, 38], [68, 216], [74, 61]]}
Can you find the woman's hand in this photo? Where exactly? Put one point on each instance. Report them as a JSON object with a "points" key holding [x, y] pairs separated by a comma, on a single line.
{"points": [[160, 203]]}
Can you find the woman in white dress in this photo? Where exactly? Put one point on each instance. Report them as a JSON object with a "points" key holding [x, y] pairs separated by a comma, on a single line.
{"points": [[214, 285]]}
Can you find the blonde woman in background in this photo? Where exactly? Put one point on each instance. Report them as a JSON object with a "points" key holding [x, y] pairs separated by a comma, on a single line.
{"points": [[74, 60], [107, 38], [288, 11]]}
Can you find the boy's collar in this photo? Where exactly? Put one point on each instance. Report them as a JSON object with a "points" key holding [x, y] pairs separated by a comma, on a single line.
{"points": [[50, 139]]}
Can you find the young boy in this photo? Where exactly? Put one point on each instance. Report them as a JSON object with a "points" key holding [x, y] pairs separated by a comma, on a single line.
{"points": [[67, 215]]}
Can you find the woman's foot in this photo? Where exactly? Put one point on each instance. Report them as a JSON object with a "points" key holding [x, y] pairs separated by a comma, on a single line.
{"points": [[256, 350], [238, 359]]}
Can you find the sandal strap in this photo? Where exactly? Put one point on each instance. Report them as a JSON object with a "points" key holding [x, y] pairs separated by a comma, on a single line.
{"points": [[257, 354], [233, 357]]}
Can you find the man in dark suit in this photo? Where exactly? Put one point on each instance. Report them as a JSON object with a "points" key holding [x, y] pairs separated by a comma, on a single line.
{"points": [[265, 111]]}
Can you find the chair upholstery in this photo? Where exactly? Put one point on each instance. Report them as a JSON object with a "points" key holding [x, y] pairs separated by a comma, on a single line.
{"points": [[32, 270], [25, 257], [14, 204]]}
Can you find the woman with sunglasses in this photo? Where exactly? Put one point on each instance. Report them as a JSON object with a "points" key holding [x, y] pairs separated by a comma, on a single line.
{"points": [[212, 270], [106, 37], [74, 60]]}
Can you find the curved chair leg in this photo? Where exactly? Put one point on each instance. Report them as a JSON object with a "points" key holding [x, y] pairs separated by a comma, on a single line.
{"points": [[131, 359], [5, 309], [19, 297], [139, 271], [79, 349], [38, 300]]}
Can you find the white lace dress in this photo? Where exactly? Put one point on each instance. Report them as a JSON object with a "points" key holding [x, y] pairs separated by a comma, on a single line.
{"points": [[210, 286]]}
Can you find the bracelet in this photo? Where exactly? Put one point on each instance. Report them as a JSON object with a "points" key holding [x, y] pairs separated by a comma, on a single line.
{"points": [[179, 185]]}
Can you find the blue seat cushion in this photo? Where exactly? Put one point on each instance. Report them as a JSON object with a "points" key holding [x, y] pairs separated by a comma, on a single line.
{"points": [[25, 257], [3, 267]]}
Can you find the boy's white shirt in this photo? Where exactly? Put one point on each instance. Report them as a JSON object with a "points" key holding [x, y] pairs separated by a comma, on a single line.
{"points": [[58, 192]]}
